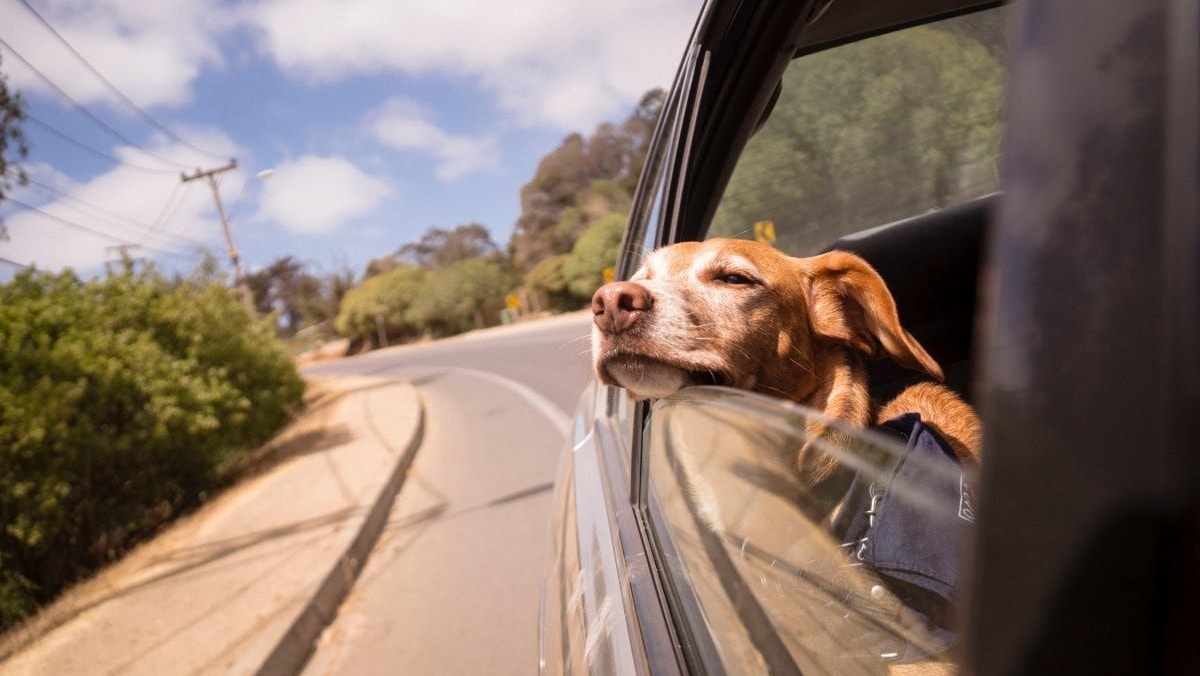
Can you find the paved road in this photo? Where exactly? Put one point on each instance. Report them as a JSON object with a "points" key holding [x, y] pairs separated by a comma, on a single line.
{"points": [[453, 585], [550, 357]]}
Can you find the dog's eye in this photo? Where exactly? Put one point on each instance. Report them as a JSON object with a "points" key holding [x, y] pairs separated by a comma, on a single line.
{"points": [[735, 278]]}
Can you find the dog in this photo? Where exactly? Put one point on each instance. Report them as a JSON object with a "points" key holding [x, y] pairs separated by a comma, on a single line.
{"points": [[743, 314]]}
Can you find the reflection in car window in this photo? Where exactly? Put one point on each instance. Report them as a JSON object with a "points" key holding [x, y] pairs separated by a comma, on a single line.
{"points": [[792, 579], [873, 132], [642, 236]]}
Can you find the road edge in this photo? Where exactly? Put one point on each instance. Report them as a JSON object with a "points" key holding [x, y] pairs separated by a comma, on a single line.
{"points": [[299, 642]]}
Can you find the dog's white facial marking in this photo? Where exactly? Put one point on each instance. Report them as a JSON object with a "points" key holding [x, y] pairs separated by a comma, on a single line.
{"points": [[697, 329], [647, 379]]}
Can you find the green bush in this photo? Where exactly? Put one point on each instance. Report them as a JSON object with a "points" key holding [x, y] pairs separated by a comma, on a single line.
{"points": [[595, 250], [451, 299], [120, 399], [547, 277], [389, 294]]}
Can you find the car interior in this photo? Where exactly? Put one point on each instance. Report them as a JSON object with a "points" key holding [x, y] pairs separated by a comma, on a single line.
{"points": [[931, 264]]}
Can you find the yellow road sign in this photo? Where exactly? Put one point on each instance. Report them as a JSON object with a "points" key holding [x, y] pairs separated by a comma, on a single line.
{"points": [[764, 231], [512, 301], [609, 274]]}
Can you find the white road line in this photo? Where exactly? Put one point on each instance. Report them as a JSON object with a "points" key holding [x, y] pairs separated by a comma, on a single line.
{"points": [[559, 419]]}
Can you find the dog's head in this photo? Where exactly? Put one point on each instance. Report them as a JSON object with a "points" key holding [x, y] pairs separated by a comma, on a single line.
{"points": [[742, 314]]}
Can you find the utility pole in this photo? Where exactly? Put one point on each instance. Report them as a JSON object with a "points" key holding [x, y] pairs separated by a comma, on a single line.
{"points": [[123, 253], [211, 176]]}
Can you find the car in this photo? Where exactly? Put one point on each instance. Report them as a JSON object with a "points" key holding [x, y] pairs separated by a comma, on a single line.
{"points": [[1026, 178]]}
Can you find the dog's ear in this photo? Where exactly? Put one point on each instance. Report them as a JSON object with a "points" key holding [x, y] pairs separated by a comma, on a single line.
{"points": [[848, 302]]}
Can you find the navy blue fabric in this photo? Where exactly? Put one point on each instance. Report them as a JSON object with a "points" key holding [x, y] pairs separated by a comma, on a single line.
{"points": [[913, 546]]}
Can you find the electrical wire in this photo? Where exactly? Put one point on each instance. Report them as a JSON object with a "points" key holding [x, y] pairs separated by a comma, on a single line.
{"points": [[62, 135], [144, 229], [15, 264], [169, 211], [84, 111], [113, 88], [106, 235]]}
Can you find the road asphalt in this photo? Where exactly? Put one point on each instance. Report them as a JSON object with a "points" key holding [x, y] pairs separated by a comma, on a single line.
{"points": [[248, 583]]}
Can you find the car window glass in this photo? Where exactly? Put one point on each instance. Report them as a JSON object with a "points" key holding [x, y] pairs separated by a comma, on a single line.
{"points": [[641, 237], [851, 576], [871, 133]]}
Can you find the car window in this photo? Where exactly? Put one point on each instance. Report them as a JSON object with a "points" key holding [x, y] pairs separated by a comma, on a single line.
{"points": [[783, 576], [788, 578], [873, 132], [642, 236]]}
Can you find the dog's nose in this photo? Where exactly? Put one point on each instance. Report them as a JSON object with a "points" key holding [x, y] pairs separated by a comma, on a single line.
{"points": [[618, 305]]}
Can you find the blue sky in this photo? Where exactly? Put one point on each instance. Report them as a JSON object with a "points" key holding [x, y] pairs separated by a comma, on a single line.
{"points": [[380, 118]]}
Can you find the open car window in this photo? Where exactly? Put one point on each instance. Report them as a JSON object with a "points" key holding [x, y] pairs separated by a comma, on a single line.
{"points": [[851, 577], [873, 132], [889, 147]]}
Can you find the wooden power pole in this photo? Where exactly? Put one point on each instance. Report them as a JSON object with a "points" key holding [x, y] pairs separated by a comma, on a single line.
{"points": [[211, 176]]}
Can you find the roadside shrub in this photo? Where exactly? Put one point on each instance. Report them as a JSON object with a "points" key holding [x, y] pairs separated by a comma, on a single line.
{"points": [[120, 399], [595, 250], [389, 295], [451, 300]]}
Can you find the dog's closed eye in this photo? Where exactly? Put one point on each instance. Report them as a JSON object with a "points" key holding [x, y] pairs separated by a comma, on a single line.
{"points": [[736, 279]]}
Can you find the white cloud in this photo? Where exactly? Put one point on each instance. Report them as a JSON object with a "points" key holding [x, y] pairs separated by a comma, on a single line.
{"points": [[316, 195], [152, 51], [568, 63], [404, 125], [121, 206]]}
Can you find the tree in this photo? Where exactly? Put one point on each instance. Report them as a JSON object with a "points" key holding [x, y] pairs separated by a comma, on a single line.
{"points": [[302, 298], [597, 248], [389, 295], [13, 146], [581, 181], [869, 133], [452, 298], [440, 248], [547, 277]]}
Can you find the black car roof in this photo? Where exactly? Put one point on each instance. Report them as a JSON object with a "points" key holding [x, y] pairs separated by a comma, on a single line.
{"points": [[833, 22]]}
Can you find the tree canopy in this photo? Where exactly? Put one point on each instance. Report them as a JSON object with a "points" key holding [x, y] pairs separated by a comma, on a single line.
{"points": [[868, 133], [13, 147], [581, 181]]}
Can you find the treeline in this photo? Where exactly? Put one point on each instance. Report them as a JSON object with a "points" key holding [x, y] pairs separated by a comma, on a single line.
{"points": [[124, 401], [872, 132], [573, 214]]}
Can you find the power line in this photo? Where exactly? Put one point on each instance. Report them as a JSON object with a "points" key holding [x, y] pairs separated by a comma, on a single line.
{"points": [[88, 149], [15, 264], [170, 209], [77, 226], [144, 229], [166, 213], [83, 110], [113, 88]]}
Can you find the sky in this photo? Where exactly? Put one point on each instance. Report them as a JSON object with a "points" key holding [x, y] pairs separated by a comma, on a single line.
{"points": [[356, 124]]}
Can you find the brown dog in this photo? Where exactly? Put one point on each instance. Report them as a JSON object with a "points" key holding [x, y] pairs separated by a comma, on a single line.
{"points": [[742, 314]]}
